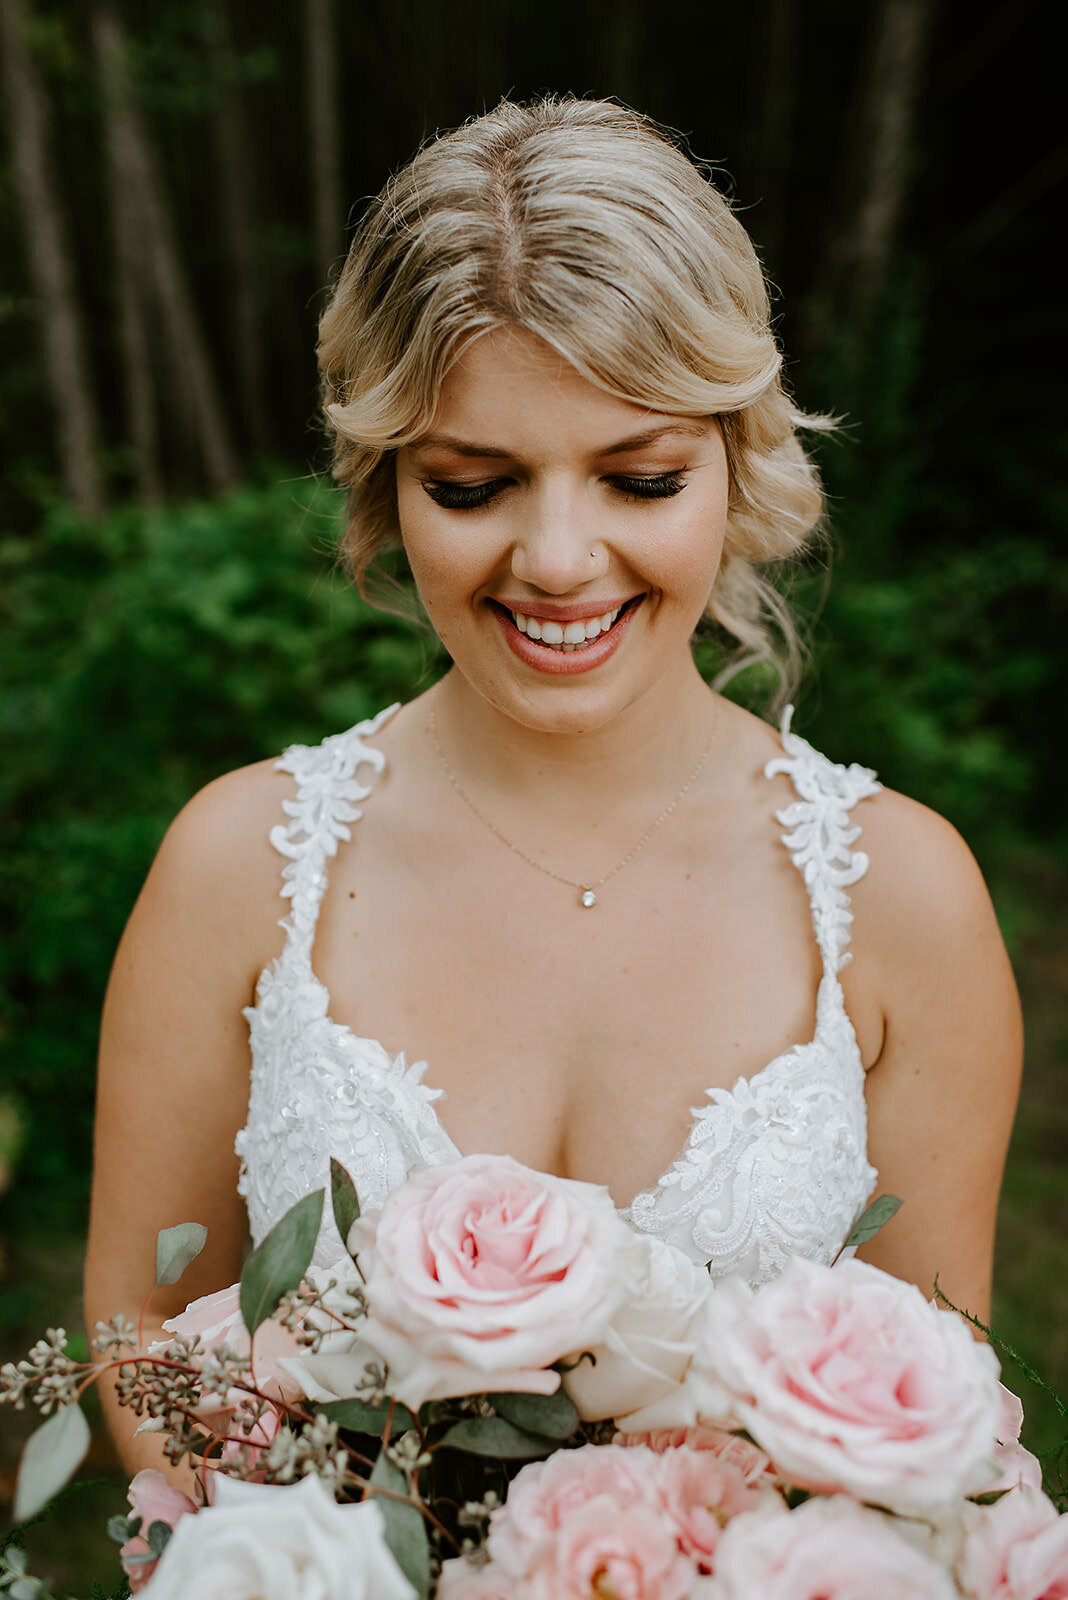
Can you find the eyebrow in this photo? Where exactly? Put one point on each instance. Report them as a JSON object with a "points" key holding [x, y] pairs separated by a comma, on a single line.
{"points": [[634, 441]]}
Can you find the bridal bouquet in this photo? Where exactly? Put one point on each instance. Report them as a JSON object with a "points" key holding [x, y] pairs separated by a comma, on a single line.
{"points": [[501, 1392]]}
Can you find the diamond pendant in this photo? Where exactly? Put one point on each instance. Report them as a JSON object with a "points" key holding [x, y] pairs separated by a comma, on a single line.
{"points": [[587, 899]]}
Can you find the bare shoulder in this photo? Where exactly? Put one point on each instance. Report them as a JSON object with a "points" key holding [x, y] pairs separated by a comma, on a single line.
{"points": [[216, 861], [923, 897]]}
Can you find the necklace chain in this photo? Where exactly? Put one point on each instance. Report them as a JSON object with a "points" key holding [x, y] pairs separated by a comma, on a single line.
{"points": [[587, 894]]}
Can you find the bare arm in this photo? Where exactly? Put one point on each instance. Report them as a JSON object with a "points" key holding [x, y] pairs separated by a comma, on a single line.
{"points": [[942, 1095], [173, 1078]]}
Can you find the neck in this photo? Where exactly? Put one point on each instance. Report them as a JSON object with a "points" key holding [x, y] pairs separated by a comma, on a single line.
{"points": [[652, 743]]}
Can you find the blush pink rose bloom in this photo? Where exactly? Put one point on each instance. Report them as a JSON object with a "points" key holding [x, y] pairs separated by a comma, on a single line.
{"points": [[546, 1494], [851, 1380], [701, 1493], [1017, 1467], [826, 1550], [753, 1464], [481, 1273], [216, 1319], [644, 1354], [153, 1499], [1016, 1549], [604, 1549], [460, 1580]]}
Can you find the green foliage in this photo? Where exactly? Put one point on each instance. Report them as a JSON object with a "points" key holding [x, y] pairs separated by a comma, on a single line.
{"points": [[280, 1261], [175, 1248], [406, 1530], [343, 1198], [50, 1457], [139, 659]]}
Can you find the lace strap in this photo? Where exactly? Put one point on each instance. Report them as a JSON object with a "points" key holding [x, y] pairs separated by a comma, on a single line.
{"points": [[821, 835], [328, 792]]}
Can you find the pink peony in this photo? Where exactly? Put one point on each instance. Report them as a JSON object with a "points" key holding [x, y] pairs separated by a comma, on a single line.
{"points": [[1016, 1549], [604, 1549], [481, 1273], [752, 1463], [546, 1494], [153, 1499], [827, 1550], [701, 1493], [850, 1380]]}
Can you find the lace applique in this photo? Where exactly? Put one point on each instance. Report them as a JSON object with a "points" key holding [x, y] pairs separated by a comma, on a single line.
{"points": [[774, 1167], [317, 1089]]}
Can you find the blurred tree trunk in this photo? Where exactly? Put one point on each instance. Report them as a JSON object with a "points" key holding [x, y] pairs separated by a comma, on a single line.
{"points": [[778, 98], [878, 165], [132, 264], [51, 266], [180, 325], [324, 134], [239, 222]]}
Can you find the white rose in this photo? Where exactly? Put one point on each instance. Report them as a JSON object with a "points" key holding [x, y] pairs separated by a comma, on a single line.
{"points": [[264, 1542], [643, 1357]]}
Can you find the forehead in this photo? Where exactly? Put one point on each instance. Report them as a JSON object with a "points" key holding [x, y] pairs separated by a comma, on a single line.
{"points": [[512, 390]]}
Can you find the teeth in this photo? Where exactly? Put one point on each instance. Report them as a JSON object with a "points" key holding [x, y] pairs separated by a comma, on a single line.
{"points": [[573, 636]]}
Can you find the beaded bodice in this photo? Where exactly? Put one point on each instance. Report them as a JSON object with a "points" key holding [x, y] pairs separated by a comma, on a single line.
{"points": [[775, 1166]]}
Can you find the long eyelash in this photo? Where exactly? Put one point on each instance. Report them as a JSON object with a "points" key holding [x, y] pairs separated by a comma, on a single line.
{"points": [[462, 496], [658, 488]]}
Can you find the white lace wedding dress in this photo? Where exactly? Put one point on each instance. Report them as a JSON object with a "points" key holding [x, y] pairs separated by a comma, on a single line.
{"points": [[774, 1167]]}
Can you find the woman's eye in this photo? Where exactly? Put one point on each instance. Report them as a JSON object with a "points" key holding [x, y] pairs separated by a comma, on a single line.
{"points": [[462, 496], [657, 488]]}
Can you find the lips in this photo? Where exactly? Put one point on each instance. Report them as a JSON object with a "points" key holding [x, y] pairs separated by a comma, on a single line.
{"points": [[563, 653]]}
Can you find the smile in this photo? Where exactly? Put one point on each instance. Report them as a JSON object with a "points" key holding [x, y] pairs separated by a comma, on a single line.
{"points": [[567, 636], [557, 646]]}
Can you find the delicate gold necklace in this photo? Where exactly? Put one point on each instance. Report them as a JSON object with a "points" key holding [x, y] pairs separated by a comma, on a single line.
{"points": [[587, 892]]}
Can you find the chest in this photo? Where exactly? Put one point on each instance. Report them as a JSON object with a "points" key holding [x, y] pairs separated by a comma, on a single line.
{"points": [[576, 1040]]}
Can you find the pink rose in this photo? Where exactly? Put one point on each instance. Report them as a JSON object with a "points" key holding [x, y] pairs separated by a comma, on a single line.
{"points": [[1016, 1549], [216, 1320], [701, 1493], [850, 1380], [546, 1494], [481, 1273], [153, 1499], [826, 1550], [740, 1453], [604, 1549], [461, 1580], [1017, 1467]]}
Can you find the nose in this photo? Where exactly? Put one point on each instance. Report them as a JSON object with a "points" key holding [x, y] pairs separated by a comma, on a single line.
{"points": [[557, 549]]}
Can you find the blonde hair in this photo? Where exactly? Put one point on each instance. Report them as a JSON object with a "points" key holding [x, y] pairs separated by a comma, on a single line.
{"points": [[584, 224]]}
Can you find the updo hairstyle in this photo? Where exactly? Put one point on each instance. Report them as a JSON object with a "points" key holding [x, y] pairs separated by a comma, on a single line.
{"points": [[582, 223]]}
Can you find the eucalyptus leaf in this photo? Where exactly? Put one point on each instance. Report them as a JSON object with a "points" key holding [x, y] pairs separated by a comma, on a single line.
{"points": [[552, 1416], [176, 1248], [362, 1418], [405, 1526], [50, 1457], [122, 1528], [493, 1436], [157, 1536], [280, 1261], [876, 1216], [344, 1198]]}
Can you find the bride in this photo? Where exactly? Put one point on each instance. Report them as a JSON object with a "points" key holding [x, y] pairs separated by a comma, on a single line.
{"points": [[627, 926]]}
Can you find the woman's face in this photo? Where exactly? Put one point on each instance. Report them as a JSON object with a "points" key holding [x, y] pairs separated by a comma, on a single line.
{"points": [[564, 542]]}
